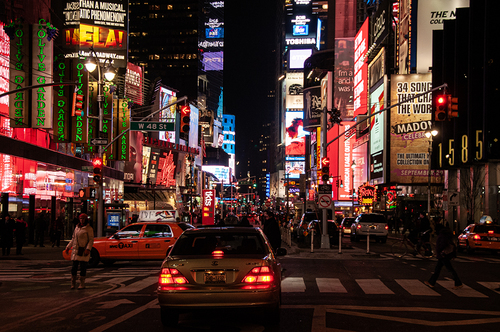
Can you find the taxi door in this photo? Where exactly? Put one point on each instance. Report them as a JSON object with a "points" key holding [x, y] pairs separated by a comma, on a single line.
{"points": [[125, 243], [155, 241]]}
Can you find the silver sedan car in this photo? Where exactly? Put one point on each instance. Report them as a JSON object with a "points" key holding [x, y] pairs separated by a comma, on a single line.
{"points": [[220, 267]]}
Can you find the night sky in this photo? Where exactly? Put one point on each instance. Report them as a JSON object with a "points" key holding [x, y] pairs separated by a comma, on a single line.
{"points": [[249, 65]]}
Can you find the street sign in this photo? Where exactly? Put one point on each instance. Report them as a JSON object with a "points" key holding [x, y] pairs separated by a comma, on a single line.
{"points": [[325, 189], [152, 126], [99, 141], [324, 201]]}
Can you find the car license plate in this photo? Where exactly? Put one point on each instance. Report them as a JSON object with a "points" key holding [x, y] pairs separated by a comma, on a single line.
{"points": [[494, 239], [214, 278]]}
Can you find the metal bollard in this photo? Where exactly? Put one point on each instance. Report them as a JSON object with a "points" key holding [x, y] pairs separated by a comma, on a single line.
{"points": [[312, 240], [340, 241], [368, 241]]}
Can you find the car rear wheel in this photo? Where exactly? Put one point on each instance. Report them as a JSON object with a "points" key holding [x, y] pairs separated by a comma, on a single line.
{"points": [[169, 317], [383, 239], [94, 258]]}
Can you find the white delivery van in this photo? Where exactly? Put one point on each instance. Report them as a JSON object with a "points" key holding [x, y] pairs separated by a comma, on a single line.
{"points": [[157, 215]]}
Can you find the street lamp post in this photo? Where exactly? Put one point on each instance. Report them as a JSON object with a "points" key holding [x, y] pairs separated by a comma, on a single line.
{"points": [[429, 134], [353, 165], [107, 72]]}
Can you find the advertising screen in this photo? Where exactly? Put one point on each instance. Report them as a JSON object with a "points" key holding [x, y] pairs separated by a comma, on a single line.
{"points": [[297, 58], [165, 97], [294, 166], [343, 77], [214, 33], [361, 70], [295, 137], [223, 173], [300, 30], [294, 90], [409, 121], [213, 61], [377, 134], [101, 25]]}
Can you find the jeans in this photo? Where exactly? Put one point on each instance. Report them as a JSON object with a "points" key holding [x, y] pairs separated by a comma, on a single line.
{"points": [[446, 263], [83, 268]]}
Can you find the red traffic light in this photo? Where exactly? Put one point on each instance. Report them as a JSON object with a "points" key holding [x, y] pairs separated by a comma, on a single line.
{"points": [[97, 162], [185, 118], [441, 103], [325, 162]]}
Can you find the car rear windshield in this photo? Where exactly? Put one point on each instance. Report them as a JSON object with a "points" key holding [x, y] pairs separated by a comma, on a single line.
{"points": [[230, 244], [372, 218], [487, 228]]}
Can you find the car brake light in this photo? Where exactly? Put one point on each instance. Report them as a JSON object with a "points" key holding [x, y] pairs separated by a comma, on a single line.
{"points": [[259, 275], [171, 276], [218, 253], [491, 232], [476, 237], [386, 226], [358, 226]]}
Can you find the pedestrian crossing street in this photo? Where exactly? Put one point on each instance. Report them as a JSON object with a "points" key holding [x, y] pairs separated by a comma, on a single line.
{"points": [[483, 289]]}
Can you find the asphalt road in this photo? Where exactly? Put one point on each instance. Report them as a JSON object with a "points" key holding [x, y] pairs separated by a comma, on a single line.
{"points": [[321, 291]]}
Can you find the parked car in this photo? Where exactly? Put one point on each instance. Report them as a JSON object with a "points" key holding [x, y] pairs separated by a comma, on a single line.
{"points": [[346, 225], [138, 241], [304, 223], [374, 223], [220, 268], [483, 236]]}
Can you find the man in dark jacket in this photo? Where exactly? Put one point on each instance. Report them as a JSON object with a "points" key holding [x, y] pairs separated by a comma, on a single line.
{"points": [[272, 230], [7, 234], [445, 252]]}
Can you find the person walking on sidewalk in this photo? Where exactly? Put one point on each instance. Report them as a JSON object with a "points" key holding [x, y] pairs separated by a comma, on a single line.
{"points": [[272, 230], [446, 250], [40, 227], [56, 231], [20, 233], [81, 243], [6, 234]]}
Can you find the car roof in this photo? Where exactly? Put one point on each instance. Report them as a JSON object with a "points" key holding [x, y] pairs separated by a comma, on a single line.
{"points": [[223, 229]]}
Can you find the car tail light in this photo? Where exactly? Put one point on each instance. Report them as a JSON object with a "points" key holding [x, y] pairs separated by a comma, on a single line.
{"points": [[261, 274], [476, 237], [171, 277], [491, 232], [386, 226], [358, 226]]}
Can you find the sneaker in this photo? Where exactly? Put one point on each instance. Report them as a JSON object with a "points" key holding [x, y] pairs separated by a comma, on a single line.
{"points": [[429, 284], [457, 287]]}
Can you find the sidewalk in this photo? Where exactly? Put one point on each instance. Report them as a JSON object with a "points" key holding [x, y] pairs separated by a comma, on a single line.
{"points": [[30, 252]]}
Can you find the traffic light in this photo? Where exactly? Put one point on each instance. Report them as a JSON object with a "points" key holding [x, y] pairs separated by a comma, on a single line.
{"points": [[440, 113], [185, 118], [97, 163], [326, 173], [254, 183], [452, 107], [338, 183], [341, 184], [77, 107]]}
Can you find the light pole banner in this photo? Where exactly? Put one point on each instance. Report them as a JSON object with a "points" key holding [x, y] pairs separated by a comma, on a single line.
{"points": [[79, 128], [19, 60], [93, 124], [41, 64], [123, 124], [62, 100]]}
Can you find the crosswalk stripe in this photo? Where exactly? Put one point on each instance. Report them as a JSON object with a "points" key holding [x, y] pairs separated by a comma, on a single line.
{"points": [[373, 286], [137, 286], [119, 280], [416, 287], [493, 285], [330, 285], [465, 291], [291, 284]]}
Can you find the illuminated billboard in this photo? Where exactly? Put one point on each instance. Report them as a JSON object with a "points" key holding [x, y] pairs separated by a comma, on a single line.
{"points": [[300, 25], [409, 121], [377, 134], [213, 61], [294, 90], [297, 58], [223, 173], [361, 70], [101, 25], [295, 137], [343, 77], [214, 33], [165, 97], [294, 166]]}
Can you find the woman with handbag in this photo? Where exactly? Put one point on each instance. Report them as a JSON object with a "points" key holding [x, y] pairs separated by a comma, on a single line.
{"points": [[81, 243], [446, 250]]}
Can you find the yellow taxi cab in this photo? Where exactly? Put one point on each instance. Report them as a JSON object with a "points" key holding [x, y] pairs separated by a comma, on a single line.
{"points": [[138, 241], [485, 236]]}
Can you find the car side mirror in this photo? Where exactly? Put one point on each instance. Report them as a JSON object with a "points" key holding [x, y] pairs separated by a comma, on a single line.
{"points": [[281, 252]]}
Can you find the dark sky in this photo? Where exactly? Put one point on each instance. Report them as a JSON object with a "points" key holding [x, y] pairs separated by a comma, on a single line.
{"points": [[249, 64]]}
